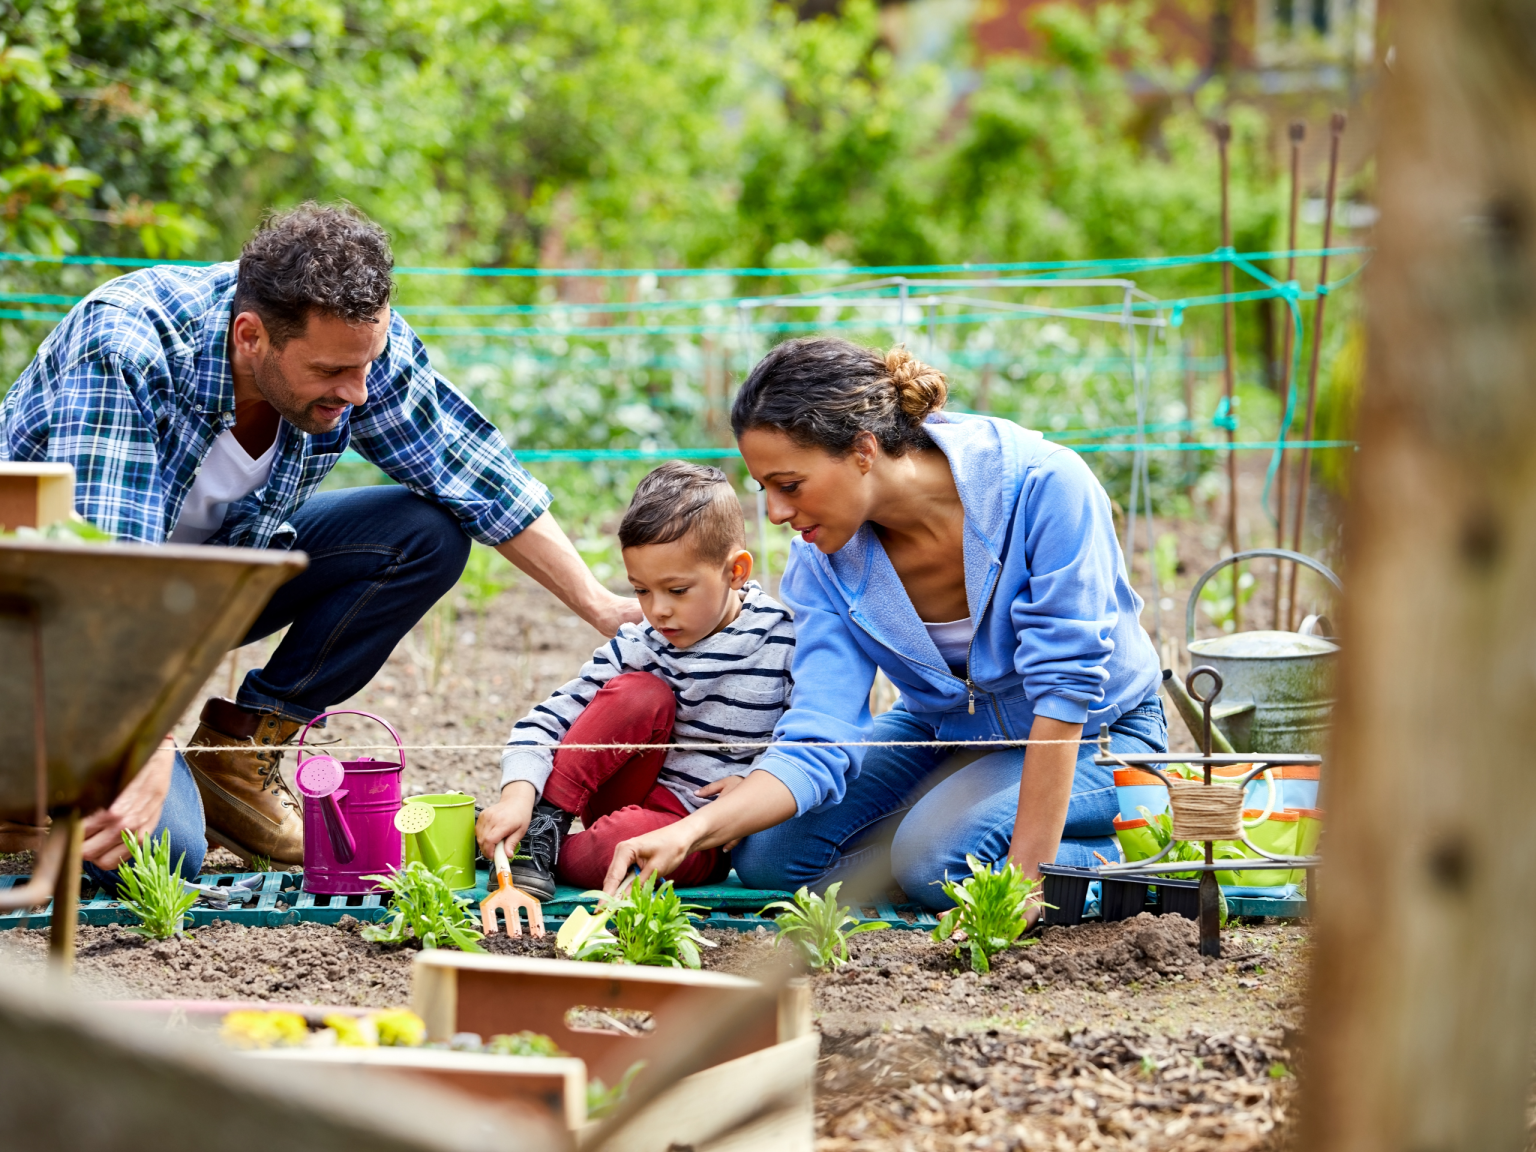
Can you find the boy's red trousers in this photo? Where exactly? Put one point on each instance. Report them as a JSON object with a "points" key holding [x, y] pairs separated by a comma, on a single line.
{"points": [[614, 791]]}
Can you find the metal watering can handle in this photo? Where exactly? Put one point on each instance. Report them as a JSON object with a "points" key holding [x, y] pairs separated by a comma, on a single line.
{"points": [[1251, 554], [399, 744]]}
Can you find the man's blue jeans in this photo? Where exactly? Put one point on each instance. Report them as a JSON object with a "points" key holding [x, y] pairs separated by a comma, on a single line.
{"points": [[379, 558], [926, 815]]}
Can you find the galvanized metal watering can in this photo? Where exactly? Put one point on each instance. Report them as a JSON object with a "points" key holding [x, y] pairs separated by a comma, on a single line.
{"points": [[1278, 694]]}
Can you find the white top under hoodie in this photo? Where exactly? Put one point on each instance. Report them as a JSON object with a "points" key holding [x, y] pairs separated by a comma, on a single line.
{"points": [[733, 685]]}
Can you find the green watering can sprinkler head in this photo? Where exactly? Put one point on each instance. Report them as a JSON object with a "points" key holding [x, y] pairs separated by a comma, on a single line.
{"points": [[416, 817]]}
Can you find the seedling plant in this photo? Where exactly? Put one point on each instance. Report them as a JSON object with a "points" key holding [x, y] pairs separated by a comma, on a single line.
{"points": [[992, 909], [424, 908], [650, 926], [601, 1100], [818, 927], [151, 889]]}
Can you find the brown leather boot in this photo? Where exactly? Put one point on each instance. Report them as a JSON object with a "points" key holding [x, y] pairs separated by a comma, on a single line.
{"points": [[248, 808]]}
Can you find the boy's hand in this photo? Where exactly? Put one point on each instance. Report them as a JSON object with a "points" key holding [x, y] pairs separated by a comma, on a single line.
{"points": [[720, 787], [506, 821]]}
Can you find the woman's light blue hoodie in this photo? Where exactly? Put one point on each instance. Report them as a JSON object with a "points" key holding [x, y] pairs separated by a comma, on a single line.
{"points": [[1056, 621]]}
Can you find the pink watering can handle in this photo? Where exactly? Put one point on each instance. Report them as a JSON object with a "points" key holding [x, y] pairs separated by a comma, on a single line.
{"points": [[399, 744]]}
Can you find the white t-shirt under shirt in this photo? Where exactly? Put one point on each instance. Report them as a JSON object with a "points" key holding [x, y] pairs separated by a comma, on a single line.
{"points": [[952, 639], [228, 474]]}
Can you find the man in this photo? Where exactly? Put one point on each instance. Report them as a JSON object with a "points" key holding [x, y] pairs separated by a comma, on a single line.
{"points": [[205, 406]]}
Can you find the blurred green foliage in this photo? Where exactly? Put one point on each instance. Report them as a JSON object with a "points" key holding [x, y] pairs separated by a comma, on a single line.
{"points": [[633, 134]]}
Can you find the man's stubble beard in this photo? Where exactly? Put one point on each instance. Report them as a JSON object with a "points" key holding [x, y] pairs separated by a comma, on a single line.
{"points": [[276, 390]]}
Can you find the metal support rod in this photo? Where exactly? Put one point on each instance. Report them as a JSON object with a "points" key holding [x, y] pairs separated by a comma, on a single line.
{"points": [[66, 898], [1188, 367], [1229, 340], [1304, 468], [39, 724], [1298, 132], [1210, 891]]}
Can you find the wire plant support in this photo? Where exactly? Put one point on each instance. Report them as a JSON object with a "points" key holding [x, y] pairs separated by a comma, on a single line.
{"points": [[1205, 820]]}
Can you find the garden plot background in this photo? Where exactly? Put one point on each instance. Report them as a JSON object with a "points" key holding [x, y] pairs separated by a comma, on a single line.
{"points": [[640, 140]]}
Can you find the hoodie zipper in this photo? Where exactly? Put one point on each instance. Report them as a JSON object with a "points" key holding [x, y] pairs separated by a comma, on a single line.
{"points": [[970, 688]]}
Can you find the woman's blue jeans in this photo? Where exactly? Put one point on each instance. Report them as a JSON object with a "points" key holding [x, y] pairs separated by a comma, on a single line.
{"points": [[379, 558], [925, 813]]}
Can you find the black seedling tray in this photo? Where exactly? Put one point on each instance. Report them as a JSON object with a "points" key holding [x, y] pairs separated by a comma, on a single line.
{"points": [[1120, 897]]}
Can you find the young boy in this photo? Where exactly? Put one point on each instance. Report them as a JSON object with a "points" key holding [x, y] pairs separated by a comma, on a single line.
{"points": [[710, 665]]}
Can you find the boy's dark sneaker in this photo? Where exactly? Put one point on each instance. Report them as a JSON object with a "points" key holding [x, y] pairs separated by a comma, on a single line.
{"points": [[533, 866]]}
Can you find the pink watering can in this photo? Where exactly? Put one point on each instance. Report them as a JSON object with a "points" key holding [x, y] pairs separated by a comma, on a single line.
{"points": [[349, 816]]}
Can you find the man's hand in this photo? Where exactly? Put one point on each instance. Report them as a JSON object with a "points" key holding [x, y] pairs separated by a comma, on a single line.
{"points": [[506, 821], [545, 552], [135, 811], [619, 610]]}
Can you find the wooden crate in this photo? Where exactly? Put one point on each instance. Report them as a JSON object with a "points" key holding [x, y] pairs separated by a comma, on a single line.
{"points": [[35, 495], [555, 1087], [763, 1102], [463, 992]]}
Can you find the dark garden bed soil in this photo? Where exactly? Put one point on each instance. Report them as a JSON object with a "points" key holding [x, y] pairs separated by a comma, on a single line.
{"points": [[1115, 1036], [1102, 1036]]}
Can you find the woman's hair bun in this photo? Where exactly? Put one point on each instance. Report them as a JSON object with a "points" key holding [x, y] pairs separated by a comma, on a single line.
{"points": [[920, 388]]}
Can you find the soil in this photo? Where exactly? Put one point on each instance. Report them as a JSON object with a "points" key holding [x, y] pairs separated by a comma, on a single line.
{"points": [[1105, 1036], [1100, 1036]]}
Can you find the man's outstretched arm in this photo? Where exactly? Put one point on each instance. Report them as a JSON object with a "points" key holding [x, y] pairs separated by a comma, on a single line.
{"points": [[545, 552]]}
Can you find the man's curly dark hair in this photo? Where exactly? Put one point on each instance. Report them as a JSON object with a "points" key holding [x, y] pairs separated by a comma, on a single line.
{"points": [[316, 257]]}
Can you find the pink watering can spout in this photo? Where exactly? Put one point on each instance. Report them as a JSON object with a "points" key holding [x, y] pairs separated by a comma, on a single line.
{"points": [[319, 778], [349, 816]]}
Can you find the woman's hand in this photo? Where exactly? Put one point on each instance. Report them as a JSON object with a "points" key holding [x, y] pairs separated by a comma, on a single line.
{"points": [[658, 852], [760, 801], [135, 811], [1045, 790]]}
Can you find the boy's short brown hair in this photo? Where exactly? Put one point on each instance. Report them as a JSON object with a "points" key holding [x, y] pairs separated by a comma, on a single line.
{"points": [[678, 500]]}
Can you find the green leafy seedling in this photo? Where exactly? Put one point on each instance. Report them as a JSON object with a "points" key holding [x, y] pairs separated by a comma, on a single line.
{"points": [[651, 926], [818, 926], [992, 909], [601, 1100], [151, 889], [523, 1044], [423, 907]]}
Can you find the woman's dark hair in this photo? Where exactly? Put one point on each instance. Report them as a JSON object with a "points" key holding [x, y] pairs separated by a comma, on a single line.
{"points": [[822, 393], [316, 257]]}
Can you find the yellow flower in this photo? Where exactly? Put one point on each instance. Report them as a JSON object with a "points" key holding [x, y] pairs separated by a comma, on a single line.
{"points": [[353, 1031], [399, 1028], [248, 1029]]}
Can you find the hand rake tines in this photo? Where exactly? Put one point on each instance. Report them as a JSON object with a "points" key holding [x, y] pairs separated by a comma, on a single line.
{"points": [[509, 899]]}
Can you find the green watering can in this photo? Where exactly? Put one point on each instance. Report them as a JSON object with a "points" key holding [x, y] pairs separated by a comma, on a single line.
{"points": [[439, 829]]}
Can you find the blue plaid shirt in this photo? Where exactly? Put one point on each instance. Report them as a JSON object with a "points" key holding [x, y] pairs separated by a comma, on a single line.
{"points": [[134, 386]]}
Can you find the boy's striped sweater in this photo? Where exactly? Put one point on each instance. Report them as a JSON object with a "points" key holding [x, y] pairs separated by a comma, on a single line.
{"points": [[733, 685]]}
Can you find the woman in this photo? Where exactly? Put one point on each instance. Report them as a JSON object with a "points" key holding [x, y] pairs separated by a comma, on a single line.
{"points": [[977, 566]]}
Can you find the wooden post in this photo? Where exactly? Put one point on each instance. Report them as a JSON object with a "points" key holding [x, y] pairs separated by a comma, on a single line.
{"points": [[66, 900], [1424, 980], [1304, 468], [1229, 349], [1298, 132]]}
